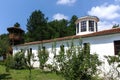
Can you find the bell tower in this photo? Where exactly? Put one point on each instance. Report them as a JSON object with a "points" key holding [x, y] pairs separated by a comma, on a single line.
{"points": [[15, 35], [86, 25]]}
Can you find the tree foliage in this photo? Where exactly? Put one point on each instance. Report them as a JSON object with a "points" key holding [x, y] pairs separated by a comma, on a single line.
{"points": [[115, 26], [4, 44], [8, 62], [43, 56], [72, 27], [57, 28], [114, 67], [76, 62], [16, 24], [36, 26], [19, 61], [29, 61]]}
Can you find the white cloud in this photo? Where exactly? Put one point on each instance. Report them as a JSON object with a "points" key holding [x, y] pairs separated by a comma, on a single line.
{"points": [[59, 16], [107, 12], [103, 25], [66, 2]]}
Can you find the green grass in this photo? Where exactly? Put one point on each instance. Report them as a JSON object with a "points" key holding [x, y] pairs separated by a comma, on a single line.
{"points": [[23, 75]]}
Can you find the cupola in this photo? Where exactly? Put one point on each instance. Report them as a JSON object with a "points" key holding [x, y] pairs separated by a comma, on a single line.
{"points": [[15, 35], [86, 25]]}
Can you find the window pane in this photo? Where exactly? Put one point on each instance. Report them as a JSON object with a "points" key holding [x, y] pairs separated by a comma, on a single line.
{"points": [[91, 25], [86, 48], [117, 46], [30, 50], [83, 26]]}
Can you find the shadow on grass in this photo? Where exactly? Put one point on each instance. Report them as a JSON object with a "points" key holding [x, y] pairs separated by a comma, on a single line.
{"points": [[5, 76]]}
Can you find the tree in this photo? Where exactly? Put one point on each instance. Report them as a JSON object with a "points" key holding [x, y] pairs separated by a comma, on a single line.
{"points": [[115, 26], [63, 28], [77, 63], [19, 61], [8, 62], [29, 58], [43, 56], [57, 28], [4, 44], [39, 29], [114, 67], [72, 27], [16, 24], [53, 29], [61, 58], [37, 26]]}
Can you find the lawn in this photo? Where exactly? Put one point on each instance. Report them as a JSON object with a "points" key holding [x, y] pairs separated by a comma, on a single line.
{"points": [[23, 75]]}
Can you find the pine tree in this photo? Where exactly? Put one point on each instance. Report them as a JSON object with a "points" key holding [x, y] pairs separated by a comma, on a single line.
{"points": [[37, 26]]}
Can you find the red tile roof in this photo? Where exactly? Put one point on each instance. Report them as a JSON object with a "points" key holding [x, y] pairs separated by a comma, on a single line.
{"points": [[99, 33]]}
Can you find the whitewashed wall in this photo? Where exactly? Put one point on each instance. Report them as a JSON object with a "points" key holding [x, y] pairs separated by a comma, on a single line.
{"points": [[101, 45], [1, 58]]}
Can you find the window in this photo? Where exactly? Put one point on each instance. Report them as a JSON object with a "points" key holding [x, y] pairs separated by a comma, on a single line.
{"points": [[43, 48], [30, 50], [62, 47], [91, 25], [117, 46], [21, 50], [86, 47], [77, 28], [83, 26]]}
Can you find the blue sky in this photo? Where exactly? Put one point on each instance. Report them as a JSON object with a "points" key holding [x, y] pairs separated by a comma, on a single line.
{"points": [[12, 11]]}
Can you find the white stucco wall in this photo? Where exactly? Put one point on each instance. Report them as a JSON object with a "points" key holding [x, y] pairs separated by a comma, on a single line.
{"points": [[1, 58], [101, 45]]}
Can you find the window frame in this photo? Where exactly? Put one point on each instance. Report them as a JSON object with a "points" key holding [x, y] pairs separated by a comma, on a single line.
{"points": [[116, 47], [91, 25], [83, 26], [30, 50], [86, 46]]}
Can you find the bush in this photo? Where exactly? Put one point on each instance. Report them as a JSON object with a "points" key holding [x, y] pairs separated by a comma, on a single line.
{"points": [[2, 63], [8, 62], [43, 55], [77, 63], [113, 68], [18, 61]]}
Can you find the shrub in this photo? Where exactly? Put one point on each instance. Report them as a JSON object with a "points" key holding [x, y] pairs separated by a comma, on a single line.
{"points": [[19, 61], [77, 63], [2, 63], [114, 67], [43, 56], [8, 62]]}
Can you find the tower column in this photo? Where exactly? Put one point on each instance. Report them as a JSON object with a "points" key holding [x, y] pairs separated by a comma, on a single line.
{"points": [[95, 26], [87, 25], [79, 27]]}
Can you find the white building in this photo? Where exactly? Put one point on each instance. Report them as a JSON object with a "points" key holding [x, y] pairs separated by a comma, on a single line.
{"points": [[106, 42]]}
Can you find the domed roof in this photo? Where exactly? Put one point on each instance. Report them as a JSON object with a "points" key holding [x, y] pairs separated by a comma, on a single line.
{"points": [[16, 29], [95, 18]]}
